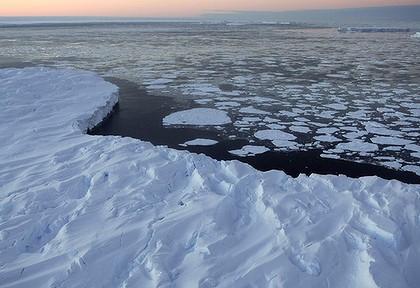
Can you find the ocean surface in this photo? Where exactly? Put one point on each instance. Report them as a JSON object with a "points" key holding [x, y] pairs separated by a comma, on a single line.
{"points": [[348, 96]]}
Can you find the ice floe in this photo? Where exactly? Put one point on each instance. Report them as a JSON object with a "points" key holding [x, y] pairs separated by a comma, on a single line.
{"points": [[252, 110], [200, 142], [198, 116], [357, 146], [274, 135], [249, 150], [384, 140], [327, 138], [300, 129]]}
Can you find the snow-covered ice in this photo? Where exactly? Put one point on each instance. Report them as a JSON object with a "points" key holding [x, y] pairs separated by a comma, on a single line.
{"points": [[106, 211], [357, 146], [200, 142], [252, 110], [198, 116], [249, 150], [327, 138], [285, 144], [299, 129], [274, 135], [384, 140]]}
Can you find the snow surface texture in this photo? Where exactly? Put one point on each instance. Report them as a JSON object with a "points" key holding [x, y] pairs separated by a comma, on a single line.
{"points": [[94, 211]]}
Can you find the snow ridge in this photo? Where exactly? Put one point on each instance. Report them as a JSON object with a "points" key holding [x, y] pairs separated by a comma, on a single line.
{"points": [[93, 211]]}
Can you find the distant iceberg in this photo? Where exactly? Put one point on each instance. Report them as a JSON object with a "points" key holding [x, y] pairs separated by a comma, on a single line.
{"points": [[416, 35], [277, 23], [373, 29]]}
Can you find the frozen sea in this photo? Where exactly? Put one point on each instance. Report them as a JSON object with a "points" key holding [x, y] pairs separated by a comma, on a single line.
{"points": [[350, 96], [82, 210]]}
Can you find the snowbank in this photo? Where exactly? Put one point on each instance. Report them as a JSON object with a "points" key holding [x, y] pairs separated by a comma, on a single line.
{"points": [[93, 211]]}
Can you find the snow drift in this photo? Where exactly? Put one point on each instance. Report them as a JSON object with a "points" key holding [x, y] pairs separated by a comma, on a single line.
{"points": [[89, 211]]}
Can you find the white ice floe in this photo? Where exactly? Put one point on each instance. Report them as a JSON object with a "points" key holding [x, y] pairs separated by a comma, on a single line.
{"points": [[354, 135], [329, 156], [252, 110], [299, 129], [412, 147], [203, 101], [380, 129], [415, 154], [249, 150], [274, 135], [275, 126], [384, 140], [106, 211], [415, 35], [199, 117], [200, 142], [201, 89], [228, 104], [327, 130], [392, 148], [412, 168], [337, 106], [285, 144], [327, 138], [392, 164], [357, 146], [327, 114]]}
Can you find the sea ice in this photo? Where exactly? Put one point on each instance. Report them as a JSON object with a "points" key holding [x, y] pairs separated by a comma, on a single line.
{"points": [[300, 129], [249, 150], [274, 135], [327, 130], [288, 145], [384, 140], [337, 106], [412, 147], [228, 104], [252, 110], [327, 138], [200, 142], [198, 116], [412, 168], [357, 146]]}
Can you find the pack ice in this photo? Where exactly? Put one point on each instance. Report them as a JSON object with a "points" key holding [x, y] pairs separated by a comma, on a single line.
{"points": [[93, 211]]}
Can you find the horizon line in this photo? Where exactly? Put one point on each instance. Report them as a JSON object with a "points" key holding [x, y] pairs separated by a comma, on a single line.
{"points": [[221, 12]]}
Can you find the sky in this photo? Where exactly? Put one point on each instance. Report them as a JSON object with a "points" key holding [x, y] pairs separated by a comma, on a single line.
{"points": [[172, 8]]}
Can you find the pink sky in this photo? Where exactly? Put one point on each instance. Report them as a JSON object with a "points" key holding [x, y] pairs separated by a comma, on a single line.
{"points": [[171, 8]]}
